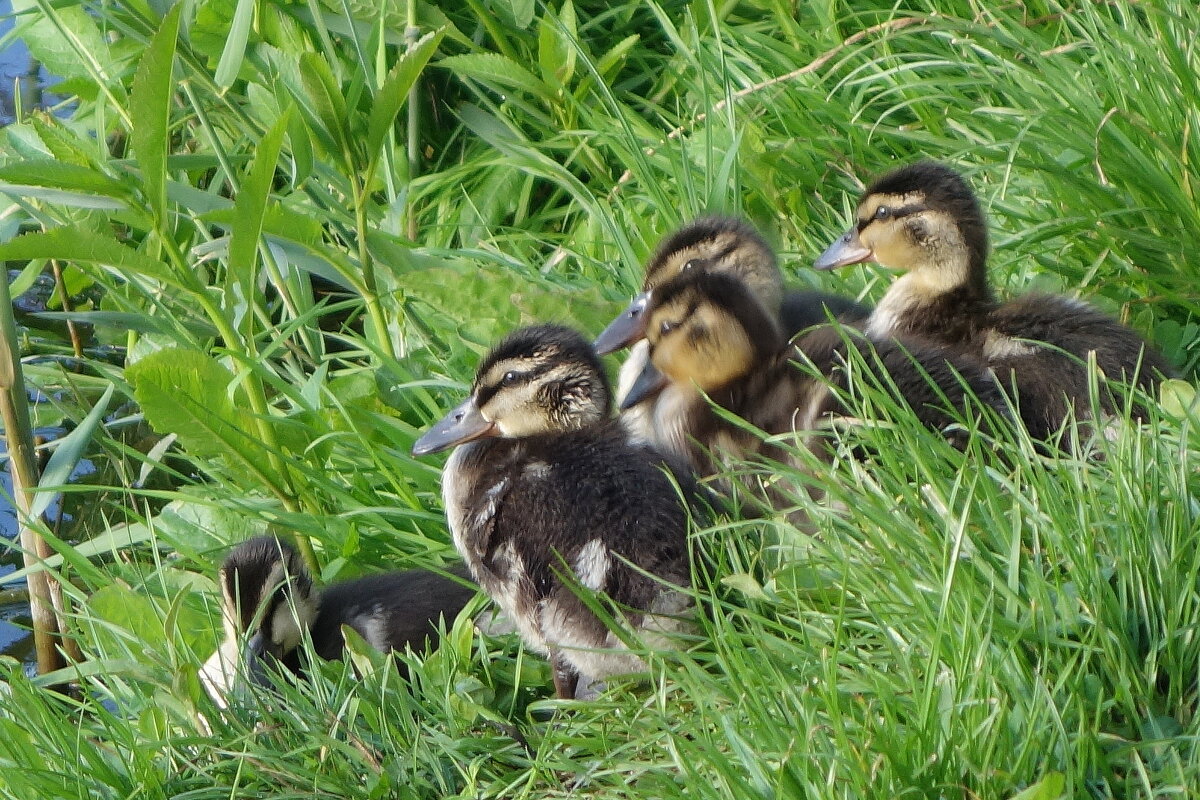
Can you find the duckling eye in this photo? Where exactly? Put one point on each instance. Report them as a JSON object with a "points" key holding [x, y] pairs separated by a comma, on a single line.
{"points": [[510, 377], [883, 212], [666, 327], [691, 262]]}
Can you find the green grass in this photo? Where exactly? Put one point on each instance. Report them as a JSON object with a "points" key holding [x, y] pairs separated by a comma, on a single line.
{"points": [[987, 623]]}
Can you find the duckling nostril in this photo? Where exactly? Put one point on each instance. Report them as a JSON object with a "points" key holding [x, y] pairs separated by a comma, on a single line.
{"points": [[634, 313]]}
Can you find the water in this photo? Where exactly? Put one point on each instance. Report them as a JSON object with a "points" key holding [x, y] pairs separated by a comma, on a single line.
{"points": [[16, 65]]}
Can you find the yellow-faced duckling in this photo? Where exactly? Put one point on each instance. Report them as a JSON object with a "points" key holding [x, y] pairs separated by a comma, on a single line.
{"points": [[716, 244], [268, 601], [546, 494], [730, 245], [925, 220], [708, 335]]}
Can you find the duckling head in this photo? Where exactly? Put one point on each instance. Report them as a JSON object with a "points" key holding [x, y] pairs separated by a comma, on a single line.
{"points": [[715, 244], [537, 380], [268, 595], [922, 218], [706, 329]]}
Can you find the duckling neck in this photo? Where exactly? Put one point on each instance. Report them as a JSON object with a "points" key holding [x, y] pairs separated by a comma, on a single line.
{"points": [[946, 300]]}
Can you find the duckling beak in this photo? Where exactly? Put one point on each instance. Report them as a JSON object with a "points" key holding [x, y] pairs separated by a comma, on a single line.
{"points": [[847, 249], [647, 384], [464, 423], [626, 329], [257, 650]]}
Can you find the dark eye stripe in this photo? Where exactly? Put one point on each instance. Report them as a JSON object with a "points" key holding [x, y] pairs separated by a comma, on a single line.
{"points": [[486, 393], [894, 213]]}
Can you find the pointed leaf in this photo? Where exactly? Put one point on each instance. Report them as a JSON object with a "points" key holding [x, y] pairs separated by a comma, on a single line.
{"points": [[67, 454], [323, 103], [150, 111], [187, 393], [556, 46], [66, 56], [74, 244], [67, 184], [249, 208], [235, 44], [390, 97], [493, 68]]}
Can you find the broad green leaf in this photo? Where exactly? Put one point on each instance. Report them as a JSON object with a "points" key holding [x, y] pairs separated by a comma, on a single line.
{"points": [[323, 104], [147, 619], [63, 183], [493, 68], [73, 50], [67, 453], [62, 143], [1178, 398], [520, 12], [178, 388], [1050, 787], [249, 208], [150, 111], [186, 392], [391, 96], [74, 244], [556, 46], [195, 528], [235, 44], [615, 55]]}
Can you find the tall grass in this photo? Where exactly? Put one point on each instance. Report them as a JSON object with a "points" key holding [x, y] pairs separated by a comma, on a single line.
{"points": [[988, 623]]}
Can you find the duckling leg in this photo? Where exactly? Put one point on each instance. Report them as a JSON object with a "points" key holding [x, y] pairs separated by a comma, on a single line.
{"points": [[566, 677]]}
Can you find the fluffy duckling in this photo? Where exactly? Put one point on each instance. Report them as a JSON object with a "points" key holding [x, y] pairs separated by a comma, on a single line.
{"points": [[730, 245], [716, 244], [545, 493], [709, 335], [268, 595], [925, 220]]}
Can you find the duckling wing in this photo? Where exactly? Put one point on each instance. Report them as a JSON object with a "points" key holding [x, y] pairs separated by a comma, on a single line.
{"points": [[592, 504], [391, 611], [1078, 330]]}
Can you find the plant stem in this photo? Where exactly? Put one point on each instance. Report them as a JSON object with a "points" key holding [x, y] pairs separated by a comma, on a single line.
{"points": [[412, 36], [14, 405], [65, 300], [370, 287]]}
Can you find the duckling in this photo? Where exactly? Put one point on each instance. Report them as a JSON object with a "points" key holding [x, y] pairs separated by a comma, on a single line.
{"points": [[719, 244], [709, 335], [266, 592], [731, 245], [545, 493], [924, 219]]}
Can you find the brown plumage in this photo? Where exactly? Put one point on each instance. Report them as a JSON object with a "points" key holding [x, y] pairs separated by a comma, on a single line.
{"points": [[925, 220], [726, 245], [545, 494], [708, 335]]}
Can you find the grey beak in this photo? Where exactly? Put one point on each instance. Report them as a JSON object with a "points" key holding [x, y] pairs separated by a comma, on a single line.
{"points": [[626, 329], [463, 423], [846, 249], [647, 384], [257, 650]]}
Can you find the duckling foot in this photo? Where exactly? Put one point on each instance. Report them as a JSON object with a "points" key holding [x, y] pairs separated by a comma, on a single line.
{"points": [[589, 689], [566, 677]]}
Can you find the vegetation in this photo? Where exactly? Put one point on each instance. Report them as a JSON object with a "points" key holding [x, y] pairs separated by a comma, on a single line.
{"points": [[303, 226]]}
